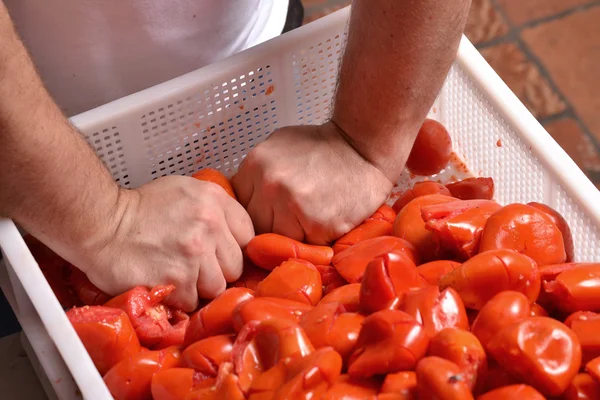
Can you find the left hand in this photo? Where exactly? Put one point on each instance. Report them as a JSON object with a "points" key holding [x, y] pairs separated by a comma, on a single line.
{"points": [[310, 184]]}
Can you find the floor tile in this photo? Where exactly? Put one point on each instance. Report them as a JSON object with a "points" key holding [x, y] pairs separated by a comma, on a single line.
{"points": [[575, 142], [484, 23], [18, 380], [522, 11], [569, 48], [524, 79]]}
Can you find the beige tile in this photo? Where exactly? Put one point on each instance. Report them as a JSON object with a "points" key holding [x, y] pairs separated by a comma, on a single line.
{"points": [[524, 79], [484, 23], [575, 142], [522, 11], [569, 48]]}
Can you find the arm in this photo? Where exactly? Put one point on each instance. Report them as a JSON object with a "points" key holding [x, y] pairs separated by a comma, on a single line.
{"points": [[174, 230], [396, 60], [315, 183]]}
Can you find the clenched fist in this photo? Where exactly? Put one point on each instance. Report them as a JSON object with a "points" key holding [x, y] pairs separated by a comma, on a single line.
{"points": [[309, 183]]}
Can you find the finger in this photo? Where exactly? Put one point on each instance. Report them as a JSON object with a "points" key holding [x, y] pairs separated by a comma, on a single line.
{"points": [[261, 213], [211, 282], [184, 297], [285, 223], [238, 222], [229, 256], [243, 184]]}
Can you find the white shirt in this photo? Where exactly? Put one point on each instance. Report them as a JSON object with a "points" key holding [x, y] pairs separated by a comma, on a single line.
{"points": [[90, 52]]}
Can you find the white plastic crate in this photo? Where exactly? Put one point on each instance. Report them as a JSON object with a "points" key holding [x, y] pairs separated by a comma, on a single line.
{"points": [[214, 116]]}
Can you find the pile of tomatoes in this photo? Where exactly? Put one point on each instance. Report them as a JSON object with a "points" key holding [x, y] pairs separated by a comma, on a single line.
{"points": [[445, 295]]}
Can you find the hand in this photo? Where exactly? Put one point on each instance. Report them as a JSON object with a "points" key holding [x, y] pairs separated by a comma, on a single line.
{"points": [[175, 230], [308, 183]]}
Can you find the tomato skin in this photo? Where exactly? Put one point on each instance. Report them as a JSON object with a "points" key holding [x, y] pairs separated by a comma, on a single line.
{"points": [[378, 224], [526, 230], [215, 318], [419, 189], [541, 351], [438, 378], [431, 150], [576, 289], [472, 189], [583, 387], [462, 348], [215, 176], [269, 250], [352, 262], [389, 341], [562, 225], [410, 226], [483, 276], [106, 333], [296, 280], [131, 378], [521, 392], [206, 355]]}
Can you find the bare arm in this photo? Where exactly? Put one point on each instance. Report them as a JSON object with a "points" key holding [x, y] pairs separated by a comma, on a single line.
{"points": [[397, 57]]}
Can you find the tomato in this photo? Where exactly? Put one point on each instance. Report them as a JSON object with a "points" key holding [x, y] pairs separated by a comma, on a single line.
{"points": [[348, 296], [86, 291], [389, 341], [462, 348], [352, 262], [458, 225], [131, 378], [215, 318], [583, 387], [330, 278], [434, 270], [562, 225], [472, 189], [251, 276], [227, 386], [538, 311], [576, 289], [496, 377], [435, 310], [521, 392], [385, 278], [156, 325], [176, 383], [269, 250], [419, 189], [526, 230], [402, 383], [263, 308], [431, 150], [295, 279], [592, 367], [349, 388], [206, 355], [329, 325], [586, 326], [379, 224], [541, 351], [409, 225], [503, 309], [438, 378], [106, 333], [487, 274], [215, 176]]}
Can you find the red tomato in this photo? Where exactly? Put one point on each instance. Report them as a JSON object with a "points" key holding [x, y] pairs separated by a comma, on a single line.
{"points": [[419, 189], [216, 317], [352, 262], [496, 377], [156, 325], [410, 226], [541, 351], [176, 383], [350, 388], [226, 386], [462, 348], [206, 355], [214, 176], [438, 378], [526, 230], [458, 225], [561, 223], [269, 250], [87, 292], [263, 308], [379, 224], [487, 274], [330, 278], [131, 378], [503, 309], [347, 295], [576, 289], [586, 326], [593, 368], [521, 392], [472, 188], [251, 276], [583, 387], [434, 270], [403, 383], [389, 341], [431, 150], [106, 333], [295, 279]]}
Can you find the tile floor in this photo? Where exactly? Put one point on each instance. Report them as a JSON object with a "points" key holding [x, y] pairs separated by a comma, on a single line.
{"points": [[548, 53]]}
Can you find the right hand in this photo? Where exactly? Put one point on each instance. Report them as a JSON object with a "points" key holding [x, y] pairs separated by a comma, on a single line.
{"points": [[174, 230]]}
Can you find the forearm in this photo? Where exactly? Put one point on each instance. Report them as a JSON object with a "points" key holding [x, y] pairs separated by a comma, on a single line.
{"points": [[51, 182], [396, 60]]}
